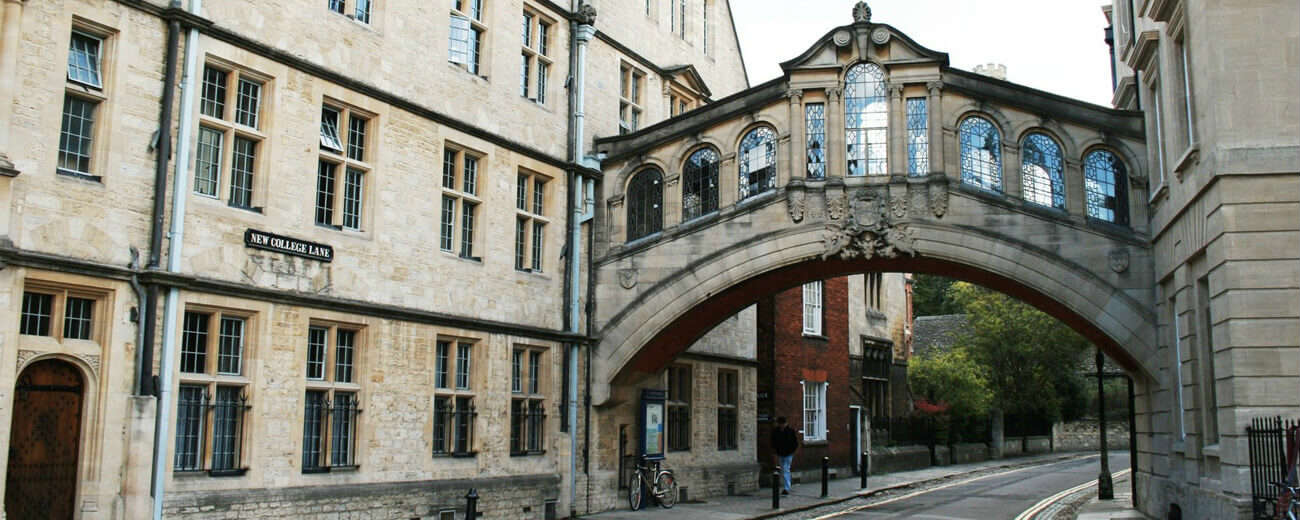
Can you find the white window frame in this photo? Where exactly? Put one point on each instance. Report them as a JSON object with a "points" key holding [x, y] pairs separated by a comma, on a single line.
{"points": [[814, 410], [812, 308]]}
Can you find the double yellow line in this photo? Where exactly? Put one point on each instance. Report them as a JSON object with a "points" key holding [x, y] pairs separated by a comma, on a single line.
{"points": [[1047, 502]]}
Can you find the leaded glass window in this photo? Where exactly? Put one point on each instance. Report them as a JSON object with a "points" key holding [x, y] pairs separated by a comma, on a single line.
{"points": [[1105, 181], [76, 134], [700, 184], [645, 195], [815, 126], [1040, 171], [757, 162], [918, 137], [981, 154], [866, 120], [83, 59]]}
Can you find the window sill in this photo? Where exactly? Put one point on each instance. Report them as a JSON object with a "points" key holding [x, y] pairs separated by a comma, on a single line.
{"points": [[78, 175], [816, 337], [456, 455], [250, 209], [1211, 450], [1159, 194], [330, 469], [769, 193], [1189, 158], [527, 453], [816, 442], [463, 258], [227, 472]]}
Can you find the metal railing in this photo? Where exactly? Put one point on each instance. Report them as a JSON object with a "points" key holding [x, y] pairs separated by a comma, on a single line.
{"points": [[1273, 445]]}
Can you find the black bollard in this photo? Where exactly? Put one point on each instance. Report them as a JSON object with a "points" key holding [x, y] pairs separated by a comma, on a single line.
{"points": [[776, 489], [471, 504], [863, 469], [826, 473]]}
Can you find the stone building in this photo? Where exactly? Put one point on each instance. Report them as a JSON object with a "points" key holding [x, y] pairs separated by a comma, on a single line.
{"points": [[343, 241], [1216, 83]]}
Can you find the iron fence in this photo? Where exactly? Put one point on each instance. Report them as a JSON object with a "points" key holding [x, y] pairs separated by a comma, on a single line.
{"points": [[1273, 444]]}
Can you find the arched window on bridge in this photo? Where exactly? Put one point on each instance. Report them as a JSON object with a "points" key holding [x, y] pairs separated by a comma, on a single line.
{"points": [[645, 204], [757, 162], [981, 154], [700, 184], [1040, 171], [866, 120], [1105, 180]]}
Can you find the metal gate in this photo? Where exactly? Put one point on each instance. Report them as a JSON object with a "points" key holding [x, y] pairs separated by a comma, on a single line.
{"points": [[1273, 446], [41, 482]]}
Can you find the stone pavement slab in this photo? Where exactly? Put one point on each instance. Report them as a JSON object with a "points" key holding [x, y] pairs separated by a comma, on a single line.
{"points": [[758, 505]]}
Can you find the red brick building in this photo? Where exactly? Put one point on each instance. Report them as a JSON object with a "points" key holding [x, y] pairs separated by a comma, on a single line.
{"points": [[803, 374]]}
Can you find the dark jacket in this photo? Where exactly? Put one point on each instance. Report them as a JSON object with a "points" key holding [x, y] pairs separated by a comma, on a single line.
{"points": [[785, 441]]}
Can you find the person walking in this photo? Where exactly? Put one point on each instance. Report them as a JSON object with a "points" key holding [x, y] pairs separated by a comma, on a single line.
{"points": [[785, 441]]}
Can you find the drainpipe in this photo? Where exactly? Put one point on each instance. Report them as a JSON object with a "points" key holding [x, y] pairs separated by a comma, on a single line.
{"points": [[149, 306], [176, 242], [140, 298], [578, 215]]}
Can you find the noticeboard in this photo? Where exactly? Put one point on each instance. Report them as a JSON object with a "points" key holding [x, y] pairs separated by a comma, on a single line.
{"points": [[652, 424]]}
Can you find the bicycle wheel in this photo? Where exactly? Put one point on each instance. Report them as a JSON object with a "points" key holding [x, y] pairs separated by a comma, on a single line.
{"points": [[635, 495], [666, 489]]}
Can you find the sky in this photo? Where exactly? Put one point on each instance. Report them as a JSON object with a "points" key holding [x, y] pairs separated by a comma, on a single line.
{"points": [[1052, 45]]}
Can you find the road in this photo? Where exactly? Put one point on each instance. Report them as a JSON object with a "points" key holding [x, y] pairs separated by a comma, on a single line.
{"points": [[1001, 495]]}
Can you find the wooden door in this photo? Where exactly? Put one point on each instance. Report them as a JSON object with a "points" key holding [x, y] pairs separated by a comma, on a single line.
{"points": [[41, 482]]}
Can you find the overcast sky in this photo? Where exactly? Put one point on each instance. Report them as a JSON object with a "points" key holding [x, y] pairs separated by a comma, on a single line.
{"points": [[1052, 45]]}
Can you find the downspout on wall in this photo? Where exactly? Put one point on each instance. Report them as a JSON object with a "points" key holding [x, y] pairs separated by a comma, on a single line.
{"points": [[582, 31], [174, 253], [149, 306]]}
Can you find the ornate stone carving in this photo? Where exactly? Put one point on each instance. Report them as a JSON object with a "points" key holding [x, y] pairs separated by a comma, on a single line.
{"points": [[835, 205], [24, 355], [934, 86], [795, 95], [862, 12], [833, 93], [796, 200], [627, 278], [587, 14], [1119, 259], [939, 198], [286, 272], [842, 38], [880, 36], [869, 232], [898, 206]]}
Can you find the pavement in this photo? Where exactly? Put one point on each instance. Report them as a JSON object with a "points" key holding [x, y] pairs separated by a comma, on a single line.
{"points": [[1119, 508], [758, 505]]}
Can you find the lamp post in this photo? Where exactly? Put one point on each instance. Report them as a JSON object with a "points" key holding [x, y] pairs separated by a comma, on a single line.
{"points": [[1105, 488]]}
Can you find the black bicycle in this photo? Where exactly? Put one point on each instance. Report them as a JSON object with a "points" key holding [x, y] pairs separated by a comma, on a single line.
{"points": [[660, 482]]}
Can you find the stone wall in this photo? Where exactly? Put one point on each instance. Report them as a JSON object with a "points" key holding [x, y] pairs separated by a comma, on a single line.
{"points": [[1082, 435], [516, 497]]}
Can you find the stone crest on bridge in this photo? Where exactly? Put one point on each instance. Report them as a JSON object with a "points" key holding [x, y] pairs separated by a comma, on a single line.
{"points": [[869, 232]]}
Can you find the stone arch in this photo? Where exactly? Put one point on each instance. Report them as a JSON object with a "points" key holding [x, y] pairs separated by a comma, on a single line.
{"points": [[86, 441], [846, 67], [1053, 129], [990, 112], [697, 142], [1133, 161], [668, 316], [625, 175]]}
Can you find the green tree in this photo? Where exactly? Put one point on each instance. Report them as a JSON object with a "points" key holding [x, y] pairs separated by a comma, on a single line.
{"points": [[1030, 360], [951, 379], [930, 296]]}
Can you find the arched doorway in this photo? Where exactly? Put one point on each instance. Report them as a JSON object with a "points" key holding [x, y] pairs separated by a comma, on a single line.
{"points": [[41, 482]]}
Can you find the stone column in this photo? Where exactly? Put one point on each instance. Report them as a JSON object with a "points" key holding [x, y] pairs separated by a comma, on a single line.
{"points": [[1011, 184], [13, 14], [934, 121], [897, 164], [798, 137], [836, 152], [1075, 202]]}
